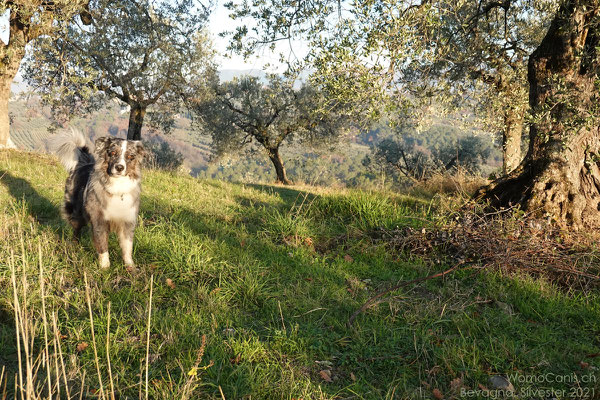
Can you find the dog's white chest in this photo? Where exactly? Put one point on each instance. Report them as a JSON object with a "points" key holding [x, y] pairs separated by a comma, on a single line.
{"points": [[121, 185], [121, 204], [121, 208]]}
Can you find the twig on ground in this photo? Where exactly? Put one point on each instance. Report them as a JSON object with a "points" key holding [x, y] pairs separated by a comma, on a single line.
{"points": [[378, 297]]}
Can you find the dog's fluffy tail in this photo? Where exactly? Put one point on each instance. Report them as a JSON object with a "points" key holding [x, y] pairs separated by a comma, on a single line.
{"points": [[72, 148]]}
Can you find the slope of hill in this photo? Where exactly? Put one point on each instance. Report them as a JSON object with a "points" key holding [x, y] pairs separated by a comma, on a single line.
{"points": [[29, 131], [30, 123], [251, 289]]}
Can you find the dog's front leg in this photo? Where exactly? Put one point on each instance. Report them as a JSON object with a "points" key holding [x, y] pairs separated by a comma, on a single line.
{"points": [[126, 242], [100, 238]]}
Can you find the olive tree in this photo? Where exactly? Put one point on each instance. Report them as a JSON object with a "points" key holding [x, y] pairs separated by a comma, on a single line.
{"points": [[559, 178], [461, 55], [245, 111], [409, 156], [27, 21], [143, 53]]}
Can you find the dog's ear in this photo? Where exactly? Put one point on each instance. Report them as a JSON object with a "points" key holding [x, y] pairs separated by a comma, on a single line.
{"points": [[100, 144], [139, 148]]}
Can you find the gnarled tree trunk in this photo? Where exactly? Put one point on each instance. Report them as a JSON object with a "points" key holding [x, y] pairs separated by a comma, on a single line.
{"points": [[28, 20], [560, 176], [136, 121], [275, 158], [511, 140], [11, 55]]}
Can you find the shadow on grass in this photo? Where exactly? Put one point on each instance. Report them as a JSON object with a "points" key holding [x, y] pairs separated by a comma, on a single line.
{"points": [[290, 196], [45, 213], [281, 270], [39, 207], [8, 332]]}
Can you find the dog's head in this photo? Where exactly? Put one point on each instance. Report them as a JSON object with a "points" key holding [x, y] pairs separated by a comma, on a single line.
{"points": [[119, 157]]}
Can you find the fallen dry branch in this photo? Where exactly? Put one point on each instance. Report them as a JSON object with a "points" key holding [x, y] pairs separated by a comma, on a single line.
{"points": [[512, 244], [506, 242], [378, 297]]}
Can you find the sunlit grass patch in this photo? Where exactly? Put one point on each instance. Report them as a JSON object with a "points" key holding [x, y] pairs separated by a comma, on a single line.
{"points": [[253, 286]]}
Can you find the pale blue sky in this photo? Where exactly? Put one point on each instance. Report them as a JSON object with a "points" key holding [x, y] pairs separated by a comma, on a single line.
{"points": [[220, 21]]}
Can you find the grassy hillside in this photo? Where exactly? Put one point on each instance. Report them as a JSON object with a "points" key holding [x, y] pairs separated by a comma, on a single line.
{"points": [[252, 287], [341, 165], [30, 123], [31, 120]]}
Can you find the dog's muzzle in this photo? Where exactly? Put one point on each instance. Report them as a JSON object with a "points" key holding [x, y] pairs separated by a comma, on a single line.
{"points": [[117, 169]]}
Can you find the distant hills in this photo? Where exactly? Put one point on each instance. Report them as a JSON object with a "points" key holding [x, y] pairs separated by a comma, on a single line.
{"points": [[341, 165]]}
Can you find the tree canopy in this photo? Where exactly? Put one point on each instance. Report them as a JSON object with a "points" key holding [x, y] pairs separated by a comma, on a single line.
{"points": [[464, 55], [148, 55], [29, 20], [245, 110]]}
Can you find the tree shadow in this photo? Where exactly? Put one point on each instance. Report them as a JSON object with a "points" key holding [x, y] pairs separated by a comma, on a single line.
{"points": [[274, 265], [8, 356], [290, 196], [45, 213], [43, 210]]}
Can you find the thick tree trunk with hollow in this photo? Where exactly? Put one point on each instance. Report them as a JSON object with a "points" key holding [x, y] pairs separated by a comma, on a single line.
{"points": [[275, 158], [560, 176], [511, 140], [136, 121]]}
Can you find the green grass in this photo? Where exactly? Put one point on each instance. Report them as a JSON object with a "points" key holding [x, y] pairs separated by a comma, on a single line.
{"points": [[270, 275]]}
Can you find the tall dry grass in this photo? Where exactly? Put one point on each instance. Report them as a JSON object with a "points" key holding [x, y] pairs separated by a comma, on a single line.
{"points": [[42, 371], [460, 183]]}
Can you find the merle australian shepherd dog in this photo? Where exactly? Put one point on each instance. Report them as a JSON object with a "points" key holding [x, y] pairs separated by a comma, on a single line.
{"points": [[103, 188]]}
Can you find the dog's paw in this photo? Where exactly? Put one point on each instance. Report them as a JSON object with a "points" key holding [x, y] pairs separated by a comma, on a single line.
{"points": [[129, 265], [104, 261]]}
